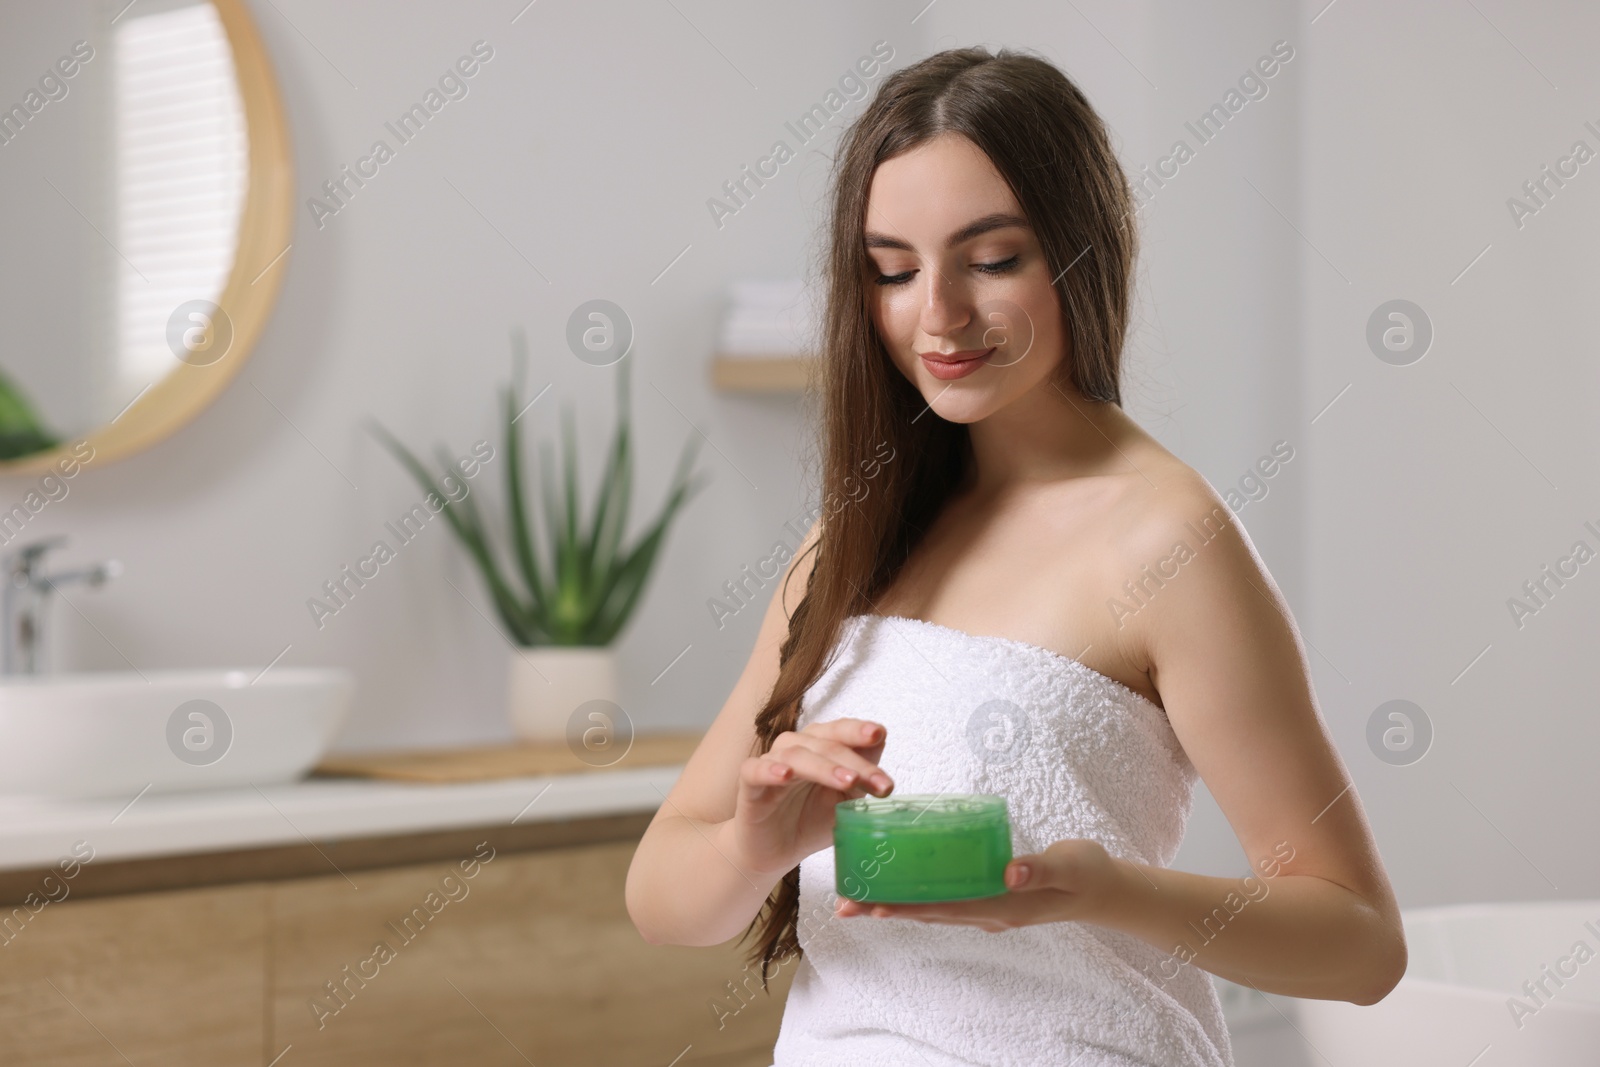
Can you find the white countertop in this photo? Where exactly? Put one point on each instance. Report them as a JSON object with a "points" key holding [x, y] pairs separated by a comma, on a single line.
{"points": [[38, 833]]}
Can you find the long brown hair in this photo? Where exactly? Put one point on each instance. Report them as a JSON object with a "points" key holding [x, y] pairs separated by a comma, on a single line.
{"points": [[1040, 133]]}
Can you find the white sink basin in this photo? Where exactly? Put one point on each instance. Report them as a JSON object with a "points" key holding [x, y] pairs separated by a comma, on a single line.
{"points": [[117, 733]]}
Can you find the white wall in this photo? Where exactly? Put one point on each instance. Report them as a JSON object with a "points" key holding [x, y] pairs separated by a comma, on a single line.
{"points": [[1442, 486]]}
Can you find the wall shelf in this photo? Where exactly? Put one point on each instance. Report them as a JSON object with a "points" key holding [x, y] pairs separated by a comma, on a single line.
{"points": [[735, 373]]}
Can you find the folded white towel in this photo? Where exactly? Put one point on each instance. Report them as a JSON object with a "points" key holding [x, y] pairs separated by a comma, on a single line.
{"points": [[777, 317], [1087, 758]]}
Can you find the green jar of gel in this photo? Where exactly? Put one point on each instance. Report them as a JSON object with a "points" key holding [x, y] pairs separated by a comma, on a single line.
{"points": [[921, 848]]}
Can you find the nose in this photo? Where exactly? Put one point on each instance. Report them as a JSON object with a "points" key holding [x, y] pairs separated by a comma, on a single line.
{"points": [[946, 306]]}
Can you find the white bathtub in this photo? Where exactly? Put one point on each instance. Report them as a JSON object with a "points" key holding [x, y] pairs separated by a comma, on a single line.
{"points": [[1468, 965]]}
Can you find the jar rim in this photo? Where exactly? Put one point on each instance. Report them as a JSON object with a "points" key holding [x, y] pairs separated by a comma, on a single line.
{"points": [[921, 809]]}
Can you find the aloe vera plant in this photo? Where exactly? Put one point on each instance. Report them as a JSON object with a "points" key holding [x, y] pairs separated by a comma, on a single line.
{"points": [[582, 584]]}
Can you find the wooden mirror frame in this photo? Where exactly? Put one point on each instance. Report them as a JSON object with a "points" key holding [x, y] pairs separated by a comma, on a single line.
{"points": [[260, 258]]}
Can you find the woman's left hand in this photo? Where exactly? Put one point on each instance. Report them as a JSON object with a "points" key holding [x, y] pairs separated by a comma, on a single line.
{"points": [[1071, 880]]}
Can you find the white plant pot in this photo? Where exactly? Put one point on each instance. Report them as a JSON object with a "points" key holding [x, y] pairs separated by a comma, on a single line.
{"points": [[548, 683]]}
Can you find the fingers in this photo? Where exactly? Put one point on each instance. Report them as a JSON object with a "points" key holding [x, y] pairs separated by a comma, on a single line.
{"points": [[761, 778], [857, 733], [832, 763], [994, 914], [1078, 865], [825, 753], [761, 782], [1037, 870], [1020, 875], [863, 737]]}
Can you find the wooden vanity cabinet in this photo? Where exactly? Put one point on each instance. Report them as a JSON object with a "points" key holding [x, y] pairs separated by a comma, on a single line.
{"points": [[175, 978], [529, 958]]}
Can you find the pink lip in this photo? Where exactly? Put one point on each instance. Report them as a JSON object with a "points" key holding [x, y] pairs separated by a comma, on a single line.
{"points": [[948, 367]]}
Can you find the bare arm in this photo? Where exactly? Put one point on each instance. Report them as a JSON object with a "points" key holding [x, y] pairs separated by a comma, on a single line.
{"points": [[1316, 917], [700, 875]]}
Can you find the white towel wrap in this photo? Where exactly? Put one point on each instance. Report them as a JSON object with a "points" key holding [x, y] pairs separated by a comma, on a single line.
{"points": [[1088, 758]]}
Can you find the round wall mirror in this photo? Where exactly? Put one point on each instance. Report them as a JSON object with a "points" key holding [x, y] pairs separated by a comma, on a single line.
{"points": [[146, 191]]}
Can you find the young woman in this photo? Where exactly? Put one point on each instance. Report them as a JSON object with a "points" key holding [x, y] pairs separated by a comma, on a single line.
{"points": [[999, 534]]}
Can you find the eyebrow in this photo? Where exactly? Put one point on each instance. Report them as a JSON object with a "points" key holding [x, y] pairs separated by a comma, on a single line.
{"points": [[998, 220]]}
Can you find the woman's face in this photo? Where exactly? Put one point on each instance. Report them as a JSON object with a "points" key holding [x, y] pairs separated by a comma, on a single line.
{"points": [[955, 269]]}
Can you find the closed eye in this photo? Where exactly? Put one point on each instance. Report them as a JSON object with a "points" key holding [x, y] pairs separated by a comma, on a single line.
{"points": [[1001, 267]]}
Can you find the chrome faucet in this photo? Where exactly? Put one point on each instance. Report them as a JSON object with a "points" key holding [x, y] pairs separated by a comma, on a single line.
{"points": [[27, 595]]}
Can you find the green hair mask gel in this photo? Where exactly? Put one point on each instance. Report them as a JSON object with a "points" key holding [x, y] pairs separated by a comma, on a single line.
{"points": [[921, 848]]}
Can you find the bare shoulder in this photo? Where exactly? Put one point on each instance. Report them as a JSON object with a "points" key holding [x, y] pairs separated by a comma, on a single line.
{"points": [[1164, 500], [1180, 555]]}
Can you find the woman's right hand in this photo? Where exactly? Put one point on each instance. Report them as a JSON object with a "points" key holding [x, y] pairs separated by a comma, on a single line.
{"points": [[784, 808]]}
